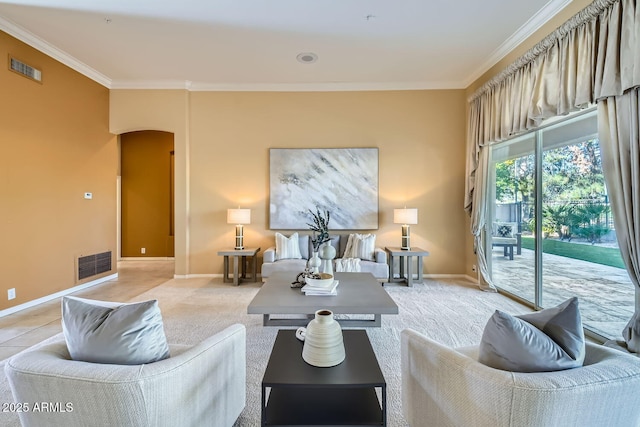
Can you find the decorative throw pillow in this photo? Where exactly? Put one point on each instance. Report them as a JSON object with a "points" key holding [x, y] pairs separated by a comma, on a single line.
{"points": [[548, 340], [304, 245], [112, 332], [505, 230], [361, 246], [287, 247]]}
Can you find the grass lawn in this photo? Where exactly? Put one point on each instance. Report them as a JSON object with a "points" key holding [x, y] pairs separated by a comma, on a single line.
{"points": [[590, 253]]}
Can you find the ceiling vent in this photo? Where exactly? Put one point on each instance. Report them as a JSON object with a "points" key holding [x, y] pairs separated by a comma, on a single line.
{"points": [[25, 70]]}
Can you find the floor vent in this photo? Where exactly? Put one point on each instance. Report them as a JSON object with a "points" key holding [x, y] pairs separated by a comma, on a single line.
{"points": [[25, 70], [91, 265]]}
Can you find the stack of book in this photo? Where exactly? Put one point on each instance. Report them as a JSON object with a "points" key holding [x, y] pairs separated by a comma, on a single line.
{"points": [[324, 290]]}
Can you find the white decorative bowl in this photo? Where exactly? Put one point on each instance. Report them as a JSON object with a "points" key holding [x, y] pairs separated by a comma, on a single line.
{"points": [[325, 281]]}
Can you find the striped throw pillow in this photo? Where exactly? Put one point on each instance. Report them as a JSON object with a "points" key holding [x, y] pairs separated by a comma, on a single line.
{"points": [[361, 246], [287, 247]]}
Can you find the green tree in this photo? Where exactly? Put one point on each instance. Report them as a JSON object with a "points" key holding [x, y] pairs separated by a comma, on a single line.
{"points": [[505, 188], [561, 219], [589, 220]]}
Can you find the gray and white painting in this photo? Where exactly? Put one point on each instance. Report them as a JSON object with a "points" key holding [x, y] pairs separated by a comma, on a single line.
{"points": [[343, 181]]}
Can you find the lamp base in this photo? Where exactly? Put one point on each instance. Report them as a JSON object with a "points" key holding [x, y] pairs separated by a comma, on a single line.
{"points": [[239, 238], [405, 238]]}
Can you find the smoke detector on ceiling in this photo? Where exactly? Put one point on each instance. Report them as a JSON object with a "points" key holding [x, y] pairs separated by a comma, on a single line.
{"points": [[307, 57]]}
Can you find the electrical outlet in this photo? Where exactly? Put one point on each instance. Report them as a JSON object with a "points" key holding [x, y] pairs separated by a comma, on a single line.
{"points": [[143, 250], [474, 268], [11, 293]]}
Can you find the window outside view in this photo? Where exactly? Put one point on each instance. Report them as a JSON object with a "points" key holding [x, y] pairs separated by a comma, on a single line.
{"points": [[580, 255]]}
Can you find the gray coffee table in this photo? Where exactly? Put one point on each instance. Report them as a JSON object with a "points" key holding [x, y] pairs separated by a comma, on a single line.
{"points": [[358, 293], [301, 394]]}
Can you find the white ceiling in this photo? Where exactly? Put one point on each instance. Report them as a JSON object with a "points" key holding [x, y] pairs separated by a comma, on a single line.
{"points": [[253, 44]]}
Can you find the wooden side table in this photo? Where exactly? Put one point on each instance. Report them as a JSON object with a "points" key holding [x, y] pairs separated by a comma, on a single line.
{"points": [[239, 256], [406, 254]]}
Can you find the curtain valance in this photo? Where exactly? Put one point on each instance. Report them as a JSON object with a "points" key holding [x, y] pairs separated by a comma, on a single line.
{"points": [[594, 55]]}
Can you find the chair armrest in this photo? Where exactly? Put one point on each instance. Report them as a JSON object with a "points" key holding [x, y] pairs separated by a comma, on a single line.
{"points": [[204, 381], [380, 255], [269, 255], [443, 386]]}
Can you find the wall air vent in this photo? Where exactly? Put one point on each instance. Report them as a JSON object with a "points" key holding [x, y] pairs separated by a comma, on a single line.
{"points": [[25, 70], [91, 265]]}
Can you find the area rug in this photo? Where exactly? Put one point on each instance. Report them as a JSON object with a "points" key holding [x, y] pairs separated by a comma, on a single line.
{"points": [[451, 312]]}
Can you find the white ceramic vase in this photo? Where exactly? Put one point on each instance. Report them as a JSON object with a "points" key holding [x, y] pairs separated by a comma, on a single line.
{"points": [[314, 262], [327, 254], [323, 343]]}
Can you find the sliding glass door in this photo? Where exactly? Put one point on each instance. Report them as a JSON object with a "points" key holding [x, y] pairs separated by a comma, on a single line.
{"points": [[567, 244], [511, 217]]}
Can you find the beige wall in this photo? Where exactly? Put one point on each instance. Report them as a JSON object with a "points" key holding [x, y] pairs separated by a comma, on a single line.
{"points": [[55, 147], [420, 136], [574, 7]]}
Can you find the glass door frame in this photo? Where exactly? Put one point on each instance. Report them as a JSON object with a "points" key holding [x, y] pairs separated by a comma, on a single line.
{"points": [[538, 211]]}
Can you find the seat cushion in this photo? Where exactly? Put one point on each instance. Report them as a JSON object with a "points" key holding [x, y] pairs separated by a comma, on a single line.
{"points": [[548, 340], [504, 240], [111, 332], [294, 266]]}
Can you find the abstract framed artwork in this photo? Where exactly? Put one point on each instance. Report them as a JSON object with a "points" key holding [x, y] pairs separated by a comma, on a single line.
{"points": [[343, 181]]}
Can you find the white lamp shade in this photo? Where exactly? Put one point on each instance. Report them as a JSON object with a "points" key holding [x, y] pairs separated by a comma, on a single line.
{"points": [[238, 216], [405, 216]]}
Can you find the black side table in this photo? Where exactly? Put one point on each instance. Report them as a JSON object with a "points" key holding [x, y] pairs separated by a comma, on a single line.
{"points": [[302, 394]]}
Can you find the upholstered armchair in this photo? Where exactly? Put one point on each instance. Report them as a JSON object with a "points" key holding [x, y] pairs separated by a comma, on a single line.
{"points": [[442, 386], [203, 384]]}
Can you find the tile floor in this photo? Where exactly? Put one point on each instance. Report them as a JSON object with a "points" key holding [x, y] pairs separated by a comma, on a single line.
{"points": [[30, 326], [606, 294]]}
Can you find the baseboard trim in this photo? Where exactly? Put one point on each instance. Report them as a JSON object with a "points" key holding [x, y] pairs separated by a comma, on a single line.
{"points": [[142, 258], [197, 276], [33, 303], [450, 276]]}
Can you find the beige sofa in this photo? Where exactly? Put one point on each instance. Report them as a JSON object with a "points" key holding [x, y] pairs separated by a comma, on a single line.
{"points": [[442, 386], [271, 264], [198, 385]]}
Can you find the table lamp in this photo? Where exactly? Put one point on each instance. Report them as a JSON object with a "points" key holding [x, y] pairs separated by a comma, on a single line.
{"points": [[405, 217], [239, 217]]}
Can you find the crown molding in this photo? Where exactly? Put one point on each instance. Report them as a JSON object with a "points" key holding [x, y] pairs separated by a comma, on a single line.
{"points": [[531, 26], [286, 87], [37, 43], [151, 84]]}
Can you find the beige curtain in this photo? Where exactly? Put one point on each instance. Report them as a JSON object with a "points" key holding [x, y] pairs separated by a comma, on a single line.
{"points": [[619, 132], [594, 55]]}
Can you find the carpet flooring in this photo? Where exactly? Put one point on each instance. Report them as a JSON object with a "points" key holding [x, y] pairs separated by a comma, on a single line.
{"points": [[451, 312]]}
